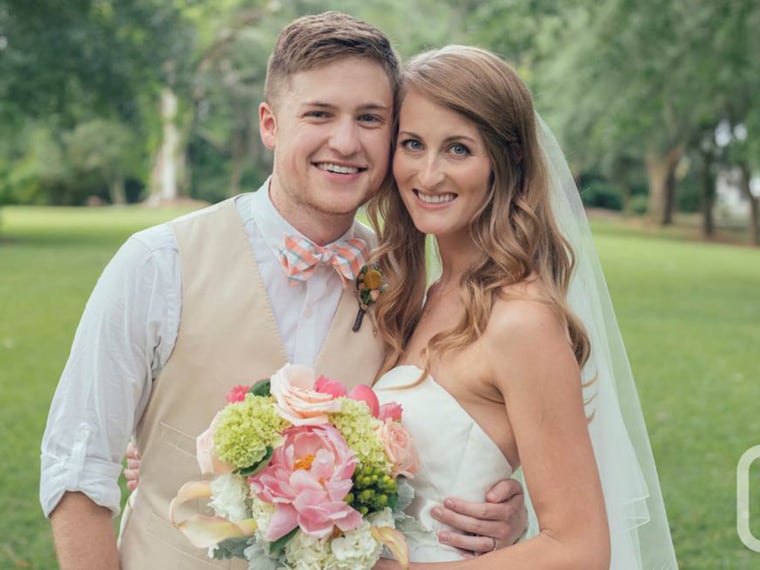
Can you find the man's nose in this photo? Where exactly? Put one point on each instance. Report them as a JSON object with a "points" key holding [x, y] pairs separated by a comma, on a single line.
{"points": [[344, 138]]}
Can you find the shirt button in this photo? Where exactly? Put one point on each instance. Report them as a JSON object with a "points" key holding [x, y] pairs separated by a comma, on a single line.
{"points": [[307, 312]]}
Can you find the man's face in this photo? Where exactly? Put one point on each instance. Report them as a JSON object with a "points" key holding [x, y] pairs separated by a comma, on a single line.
{"points": [[330, 128]]}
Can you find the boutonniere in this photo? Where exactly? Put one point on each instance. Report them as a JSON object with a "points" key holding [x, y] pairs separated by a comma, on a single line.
{"points": [[369, 287]]}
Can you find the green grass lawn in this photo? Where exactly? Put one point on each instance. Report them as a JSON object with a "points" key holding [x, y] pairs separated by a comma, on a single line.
{"points": [[690, 315]]}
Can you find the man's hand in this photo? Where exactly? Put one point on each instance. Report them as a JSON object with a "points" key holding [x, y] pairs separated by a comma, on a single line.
{"points": [[84, 534], [488, 526], [132, 471]]}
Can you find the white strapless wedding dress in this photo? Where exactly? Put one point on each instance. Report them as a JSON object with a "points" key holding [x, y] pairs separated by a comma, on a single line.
{"points": [[457, 458]]}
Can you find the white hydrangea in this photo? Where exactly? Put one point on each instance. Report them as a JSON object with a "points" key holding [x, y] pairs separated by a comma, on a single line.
{"points": [[355, 549], [304, 552], [229, 494], [262, 513]]}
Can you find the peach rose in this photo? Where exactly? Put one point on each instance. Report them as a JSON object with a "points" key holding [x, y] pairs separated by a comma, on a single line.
{"points": [[293, 387], [399, 446]]}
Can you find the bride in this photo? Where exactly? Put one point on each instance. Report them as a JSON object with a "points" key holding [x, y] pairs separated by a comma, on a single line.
{"points": [[512, 358]]}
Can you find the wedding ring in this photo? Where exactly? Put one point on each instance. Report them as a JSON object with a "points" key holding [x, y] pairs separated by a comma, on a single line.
{"points": [[494, 544]]}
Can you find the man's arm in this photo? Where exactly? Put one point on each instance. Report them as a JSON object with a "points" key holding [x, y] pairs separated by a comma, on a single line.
{"points": [[127, 327], [84, 535]]}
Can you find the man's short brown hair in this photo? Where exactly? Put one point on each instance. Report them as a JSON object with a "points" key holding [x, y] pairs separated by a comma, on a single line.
{"points": [[312, 41]]}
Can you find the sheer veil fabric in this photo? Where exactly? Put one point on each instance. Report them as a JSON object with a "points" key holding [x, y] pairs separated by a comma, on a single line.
{"points": [[638, 523]]}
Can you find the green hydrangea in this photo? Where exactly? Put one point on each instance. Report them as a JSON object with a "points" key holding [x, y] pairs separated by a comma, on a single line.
{"points": [[246, 429], [357, 426]]}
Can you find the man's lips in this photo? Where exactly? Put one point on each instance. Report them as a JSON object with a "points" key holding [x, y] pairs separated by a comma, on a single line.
{"points": [[337, 168]]}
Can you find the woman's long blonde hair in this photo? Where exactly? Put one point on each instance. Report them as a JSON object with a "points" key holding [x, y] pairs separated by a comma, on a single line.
{"points": [[515, 231]]}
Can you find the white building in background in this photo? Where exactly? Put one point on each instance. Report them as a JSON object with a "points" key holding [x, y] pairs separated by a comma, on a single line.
{"points": [[730, 201]]}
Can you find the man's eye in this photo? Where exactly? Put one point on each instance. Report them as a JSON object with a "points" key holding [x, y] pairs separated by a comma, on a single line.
{"points": [[369, 119], [316, 114]]}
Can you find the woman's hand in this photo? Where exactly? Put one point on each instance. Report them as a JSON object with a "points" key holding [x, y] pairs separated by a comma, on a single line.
{"points": [[132, 470]]}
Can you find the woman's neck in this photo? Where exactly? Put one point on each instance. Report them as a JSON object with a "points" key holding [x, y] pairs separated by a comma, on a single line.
{"points": [[458, 255]]}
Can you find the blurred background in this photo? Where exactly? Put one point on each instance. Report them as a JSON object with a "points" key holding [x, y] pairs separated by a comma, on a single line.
{"points": [[151, 106]]}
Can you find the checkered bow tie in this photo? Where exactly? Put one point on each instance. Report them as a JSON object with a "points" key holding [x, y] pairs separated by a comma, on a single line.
{"points": [[300, 258]]}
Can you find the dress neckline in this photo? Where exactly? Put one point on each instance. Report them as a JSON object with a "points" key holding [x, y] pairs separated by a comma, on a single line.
{"points": [[430, 380]]}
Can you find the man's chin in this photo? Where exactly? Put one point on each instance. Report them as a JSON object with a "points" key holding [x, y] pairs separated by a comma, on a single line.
{"points": [[340, 205]]}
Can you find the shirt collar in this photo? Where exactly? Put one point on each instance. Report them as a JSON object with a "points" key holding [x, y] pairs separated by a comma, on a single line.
{"points": [[270, 223]]}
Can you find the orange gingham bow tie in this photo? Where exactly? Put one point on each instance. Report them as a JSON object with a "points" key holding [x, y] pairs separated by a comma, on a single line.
{"points": [[300, 258]]}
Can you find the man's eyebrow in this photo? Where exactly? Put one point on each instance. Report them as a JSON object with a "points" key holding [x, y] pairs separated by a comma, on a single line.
{"points": [[365, 107]]}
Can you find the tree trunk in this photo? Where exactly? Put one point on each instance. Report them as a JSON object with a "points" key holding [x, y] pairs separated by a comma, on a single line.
{"points": [[707, 194], [754, 230], [620, 179], [116, 189], [167, 166], [661, 170], [238, 146]]}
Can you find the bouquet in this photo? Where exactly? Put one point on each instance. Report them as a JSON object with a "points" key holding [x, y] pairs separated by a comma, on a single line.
{"points": [[305, 475]]}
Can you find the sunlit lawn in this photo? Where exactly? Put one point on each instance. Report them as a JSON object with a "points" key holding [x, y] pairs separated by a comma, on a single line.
{"points": [[690, 315]]}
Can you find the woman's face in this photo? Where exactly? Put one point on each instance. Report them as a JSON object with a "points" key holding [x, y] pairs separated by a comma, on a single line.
{"points": [[441, 167]]}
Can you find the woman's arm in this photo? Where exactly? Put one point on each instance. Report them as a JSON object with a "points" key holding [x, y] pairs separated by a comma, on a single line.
{"points": [[534, 368]]}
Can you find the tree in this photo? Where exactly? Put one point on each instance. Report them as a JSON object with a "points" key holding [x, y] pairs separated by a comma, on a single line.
{"points": [[106, 150]]}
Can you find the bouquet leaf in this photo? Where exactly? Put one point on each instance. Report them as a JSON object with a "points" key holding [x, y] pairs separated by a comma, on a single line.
{"points": [[258, 467], [261, 388], [231, 548], [277, 547]]}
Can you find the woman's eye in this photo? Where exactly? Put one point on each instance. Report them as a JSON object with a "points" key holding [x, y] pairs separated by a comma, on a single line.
{"points": [[412, 144], [460, 149]]}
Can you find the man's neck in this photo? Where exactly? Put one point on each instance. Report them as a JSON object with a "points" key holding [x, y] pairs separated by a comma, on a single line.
{"points": [[319, 227]]}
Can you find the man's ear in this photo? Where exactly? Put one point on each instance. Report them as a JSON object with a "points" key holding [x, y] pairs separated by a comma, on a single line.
{"points": [[267, 125]]}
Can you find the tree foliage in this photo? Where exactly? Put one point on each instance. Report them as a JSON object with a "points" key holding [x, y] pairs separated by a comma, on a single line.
{"points": [[635, 89]]}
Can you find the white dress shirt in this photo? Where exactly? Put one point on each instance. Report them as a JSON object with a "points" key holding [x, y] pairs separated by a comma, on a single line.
{"points": [[127, 333]]}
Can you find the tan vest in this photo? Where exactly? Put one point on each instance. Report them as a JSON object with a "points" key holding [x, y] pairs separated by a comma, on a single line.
{"points": [[227, 336]]}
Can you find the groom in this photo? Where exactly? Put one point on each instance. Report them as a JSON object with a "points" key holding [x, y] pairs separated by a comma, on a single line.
{"points": [[188, 309]]}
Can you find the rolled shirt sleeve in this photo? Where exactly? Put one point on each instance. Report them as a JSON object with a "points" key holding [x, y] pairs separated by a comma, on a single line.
{"points": [[125, 336]]}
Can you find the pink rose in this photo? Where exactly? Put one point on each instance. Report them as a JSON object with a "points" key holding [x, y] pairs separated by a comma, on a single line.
{"points": [[333, 387], [205, 452], [390, 411], [237, 394], [399, 446], [307, 481], [293, 387], [366, 394]]}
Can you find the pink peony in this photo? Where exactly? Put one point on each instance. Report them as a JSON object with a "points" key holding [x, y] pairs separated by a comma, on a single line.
{"points": [[307, 481], [399, 446], [391, 411], [237, 394], [333, 387], [366, 394], [293, 387], [205, 452]]}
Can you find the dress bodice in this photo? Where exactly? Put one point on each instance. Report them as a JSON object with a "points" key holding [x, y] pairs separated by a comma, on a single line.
{"points": [[457, 458]]}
